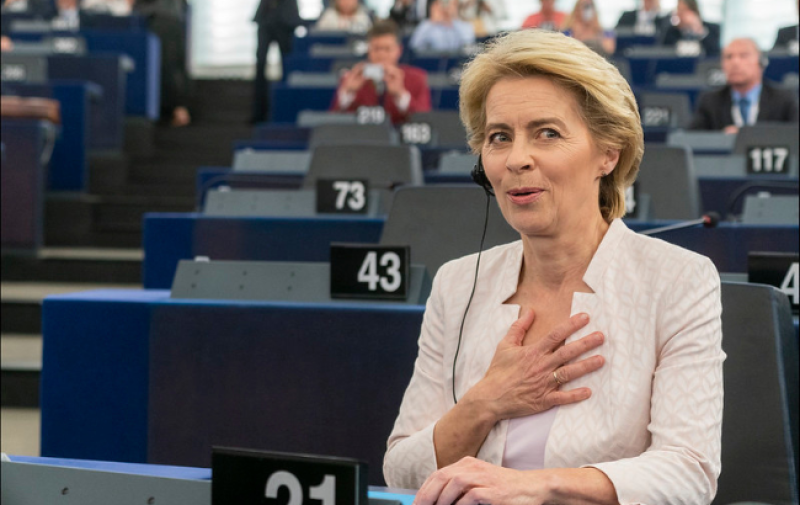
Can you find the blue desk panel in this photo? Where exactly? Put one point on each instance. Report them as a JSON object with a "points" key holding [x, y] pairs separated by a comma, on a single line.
{"points": [[143, 97], [286, 102], [22, 183], [69, 164], [645, 69], [133, 376], [105, 70], [213, 177], [179, 472], [94, 380], [779, 66], [169, 238], [728, 244]]}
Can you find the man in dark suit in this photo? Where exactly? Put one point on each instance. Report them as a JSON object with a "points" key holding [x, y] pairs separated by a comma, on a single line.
{"points": [[276, 21], [646, 20], [401, 89], [746, 99]]}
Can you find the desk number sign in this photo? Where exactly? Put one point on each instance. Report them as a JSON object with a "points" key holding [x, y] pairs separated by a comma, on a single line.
{"points": [[416, 133], [335, 196], [781, 270], [768, 160], [247, 477], [14, 72], [370, 115], [369, 271], [656, 116]]}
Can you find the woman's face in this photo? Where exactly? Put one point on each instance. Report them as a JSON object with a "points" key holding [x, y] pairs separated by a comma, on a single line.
{"points": [[347, 7], [540, 157]]}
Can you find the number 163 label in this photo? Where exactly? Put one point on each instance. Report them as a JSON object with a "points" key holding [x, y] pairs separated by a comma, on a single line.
{"points": [[369, 271]]}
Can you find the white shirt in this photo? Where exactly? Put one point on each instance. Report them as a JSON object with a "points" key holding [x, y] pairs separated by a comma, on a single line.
{"points": [[653, 422]]}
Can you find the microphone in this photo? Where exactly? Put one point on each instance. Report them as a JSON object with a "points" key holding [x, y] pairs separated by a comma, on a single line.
{"points": [[709, 220]]}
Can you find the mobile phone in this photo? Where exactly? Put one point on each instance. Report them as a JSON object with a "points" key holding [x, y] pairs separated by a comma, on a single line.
{"points": [[374, 72]]}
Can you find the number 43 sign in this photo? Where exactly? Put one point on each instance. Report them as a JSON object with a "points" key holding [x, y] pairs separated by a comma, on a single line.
{"points": [[369, 271]]}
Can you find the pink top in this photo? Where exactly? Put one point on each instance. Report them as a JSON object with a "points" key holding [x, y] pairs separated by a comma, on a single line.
{"points": [[538, 20], [526, 439], [653, 422]]}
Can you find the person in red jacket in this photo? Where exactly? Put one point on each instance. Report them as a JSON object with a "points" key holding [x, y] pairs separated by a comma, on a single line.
{"points": [[401, 89]]}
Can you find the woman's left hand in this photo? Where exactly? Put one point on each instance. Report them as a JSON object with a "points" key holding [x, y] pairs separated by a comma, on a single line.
{"points": [[471, 481]]}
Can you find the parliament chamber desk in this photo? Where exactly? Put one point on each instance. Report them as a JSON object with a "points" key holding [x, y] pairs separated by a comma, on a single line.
{"points": [[171, 237], [143, 94], [44, 479], [136, 376]]}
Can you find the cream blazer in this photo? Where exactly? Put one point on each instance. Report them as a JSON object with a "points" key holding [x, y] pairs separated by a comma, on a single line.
{"points": [[653, 422]]}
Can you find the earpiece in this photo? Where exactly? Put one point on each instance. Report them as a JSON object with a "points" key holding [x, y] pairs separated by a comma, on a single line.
{"points": [[763, 61], [479, 176]]}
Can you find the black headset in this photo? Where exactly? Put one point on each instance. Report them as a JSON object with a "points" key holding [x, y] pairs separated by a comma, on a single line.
{"points": [[479, 176]]}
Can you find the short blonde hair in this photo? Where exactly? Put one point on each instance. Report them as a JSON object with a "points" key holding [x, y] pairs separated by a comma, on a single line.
{"points": [[604, 98]]}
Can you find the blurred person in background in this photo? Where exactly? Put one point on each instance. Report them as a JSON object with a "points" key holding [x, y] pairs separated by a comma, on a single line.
{"points": [[401, 90], [688, 25], [345, 15], [404, 13], [583, 24], [548, 18], [646, 20], [443, 30], [747, 98], [788, 35], [277, 20], [167, 19], [67, 15], [485, 15]]}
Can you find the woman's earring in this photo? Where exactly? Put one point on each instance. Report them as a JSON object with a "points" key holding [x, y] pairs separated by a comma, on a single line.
{"points": [[603, 174]]}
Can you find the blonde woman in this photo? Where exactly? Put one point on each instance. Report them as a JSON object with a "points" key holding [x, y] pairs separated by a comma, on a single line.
{"points": [[582, 363], [583, 23]]}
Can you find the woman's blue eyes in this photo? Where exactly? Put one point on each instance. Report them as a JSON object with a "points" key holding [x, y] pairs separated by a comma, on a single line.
{"points": [[497, 136], [547, 133]]}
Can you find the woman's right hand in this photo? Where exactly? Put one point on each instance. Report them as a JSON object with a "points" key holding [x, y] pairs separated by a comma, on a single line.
{"points": [[520, 380]]}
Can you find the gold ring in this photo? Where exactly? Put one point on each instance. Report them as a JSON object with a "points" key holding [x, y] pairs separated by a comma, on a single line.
{"points": [[555, 377]]}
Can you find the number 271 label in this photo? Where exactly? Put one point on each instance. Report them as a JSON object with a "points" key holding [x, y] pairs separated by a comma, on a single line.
{"points": [[369, 271]]}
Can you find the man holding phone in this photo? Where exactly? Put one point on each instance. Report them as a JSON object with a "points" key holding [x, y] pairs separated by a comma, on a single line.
{"points": [[381, 81]]}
